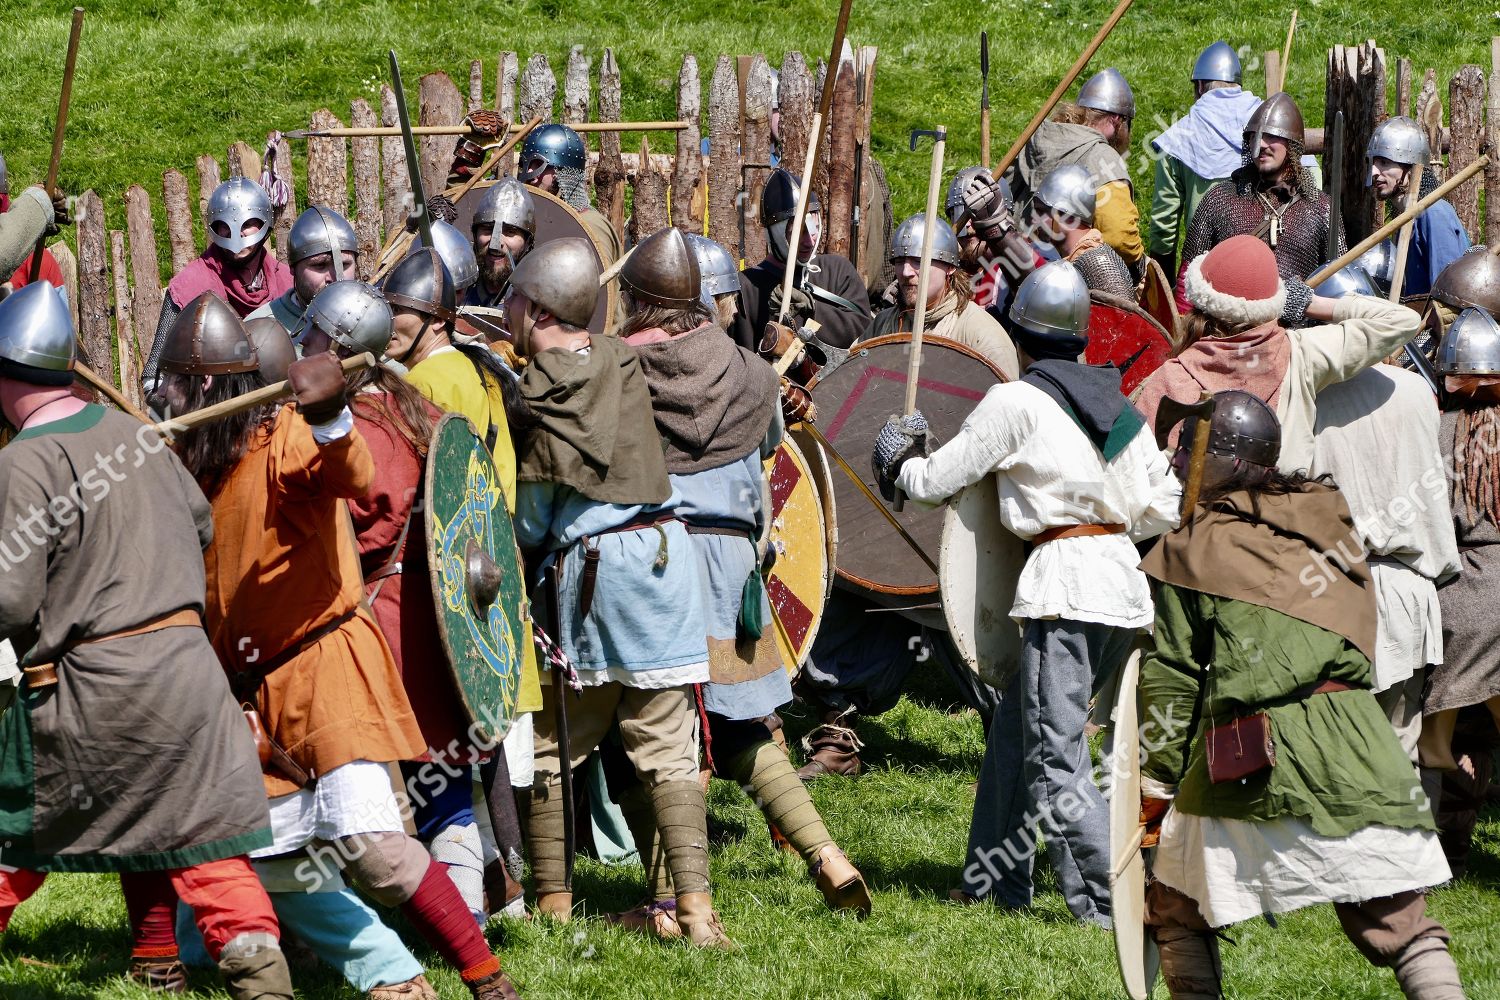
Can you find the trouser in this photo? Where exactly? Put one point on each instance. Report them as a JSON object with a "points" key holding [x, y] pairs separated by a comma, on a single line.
{"points": [[1402, 704], [442, 797], [658, 729], [1037, 771]]}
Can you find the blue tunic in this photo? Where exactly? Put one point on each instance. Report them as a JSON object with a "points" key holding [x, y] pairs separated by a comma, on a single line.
{"points": [[1437, 240], [646, 627]]}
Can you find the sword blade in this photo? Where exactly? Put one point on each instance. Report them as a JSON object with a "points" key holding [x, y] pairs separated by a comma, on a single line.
{"points": [[413, 165]]}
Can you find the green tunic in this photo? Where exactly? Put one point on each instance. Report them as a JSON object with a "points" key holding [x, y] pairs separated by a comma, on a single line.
{"points": [[1339, 766]]}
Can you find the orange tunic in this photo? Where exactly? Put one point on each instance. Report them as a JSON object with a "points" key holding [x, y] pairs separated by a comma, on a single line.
{"points": [[283, 564]]}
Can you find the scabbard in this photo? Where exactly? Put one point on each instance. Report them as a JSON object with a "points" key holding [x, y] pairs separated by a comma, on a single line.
{"points": [[504, 819], [560, 705]]}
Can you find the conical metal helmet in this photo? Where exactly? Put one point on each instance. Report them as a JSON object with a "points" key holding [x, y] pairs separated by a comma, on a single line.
{"points": [[1070, 190], [663, 270], [1108, 91], [37, 343], [778, 200], [1277, 115], [272, 345], [1218, 62], [457, 253], [1473, 279], [321, 230], [562, 278], [1349, 280], [1053, 301], [507, 203], [953, 201], [235, 202], [208, 338], [354, 315], [717, 271], [422, 282], [1471, 346], [906, 241], [1400, 140]]}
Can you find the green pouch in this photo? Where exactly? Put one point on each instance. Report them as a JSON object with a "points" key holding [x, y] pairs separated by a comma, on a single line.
{"points": [[752, 622]]}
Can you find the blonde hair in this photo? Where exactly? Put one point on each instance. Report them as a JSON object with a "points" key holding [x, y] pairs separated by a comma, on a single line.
{"points": [[1069, 113]]}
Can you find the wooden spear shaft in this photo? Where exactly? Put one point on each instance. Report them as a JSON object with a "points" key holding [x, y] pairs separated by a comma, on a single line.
{"points": [[1390, 227], [247, 401], [1403, 242], [581, 127], [114, 395], [1286, 51], [59, 131]]}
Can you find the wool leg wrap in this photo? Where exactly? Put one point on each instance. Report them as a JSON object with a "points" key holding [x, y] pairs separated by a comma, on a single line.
{"points": [[1425, 971], [771, 780], [459, 850], [255, 969], [17, 885], [640, 817], [1190, 963], [682, 819], [544, 837]]}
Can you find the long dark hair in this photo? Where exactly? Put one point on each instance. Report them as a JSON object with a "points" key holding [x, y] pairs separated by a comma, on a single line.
{"points": [[493, 371], [396, 402], [211, 451]]}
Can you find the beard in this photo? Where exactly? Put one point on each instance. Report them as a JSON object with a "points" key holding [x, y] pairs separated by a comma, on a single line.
{"points": [[494, 271]]}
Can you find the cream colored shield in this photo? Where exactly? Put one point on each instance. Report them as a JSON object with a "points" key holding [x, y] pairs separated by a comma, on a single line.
{"points": [[1127, 871], [979, 562], [798, 584]]}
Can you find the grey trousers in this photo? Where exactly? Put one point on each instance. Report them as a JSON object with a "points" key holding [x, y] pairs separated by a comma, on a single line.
{"points": [[1037, 773]]}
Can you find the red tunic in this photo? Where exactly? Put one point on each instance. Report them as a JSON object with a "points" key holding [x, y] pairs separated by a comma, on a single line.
{"points": [[51, 273]]}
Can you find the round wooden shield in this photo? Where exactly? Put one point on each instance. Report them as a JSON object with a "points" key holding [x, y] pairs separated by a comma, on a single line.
{"points": [[555, 219], [1121, 333], [1134, 948], [980, 562], [818, 463], [476, 575], [798, 584], [854, 400], [1158, 299]]}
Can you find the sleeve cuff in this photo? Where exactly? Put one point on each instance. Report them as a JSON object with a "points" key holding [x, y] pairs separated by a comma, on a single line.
{"points": [[1153, 789], [338, 427]]}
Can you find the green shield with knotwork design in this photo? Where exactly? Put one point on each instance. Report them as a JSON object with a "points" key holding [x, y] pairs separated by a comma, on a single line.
{"points": [[476, 576]]}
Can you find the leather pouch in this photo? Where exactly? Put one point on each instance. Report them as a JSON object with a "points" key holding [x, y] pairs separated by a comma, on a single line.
{"points": [[1240, 748]]}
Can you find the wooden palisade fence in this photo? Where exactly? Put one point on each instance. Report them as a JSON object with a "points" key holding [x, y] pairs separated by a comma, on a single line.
{"points": [[120, 274]]}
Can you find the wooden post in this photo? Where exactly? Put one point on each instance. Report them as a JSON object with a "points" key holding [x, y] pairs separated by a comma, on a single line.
{"points": [[1466, 135], [93, 282], [537, 90], [476, 85], [1403, 88], [1430, 117], [68, 265], [756, 127], [1492, 172], [874, 219], [127, 345], [208, 179], [144, 269], [1356, 86], [285, 214], [609, 174], [845, 116], [395, 196], [174, 198], [687, 214], [328, 166], [505, 100], [439, 104], [724, 156], [820, 177], [796, 94], [576, 87], [649, 201], [366, 155]]}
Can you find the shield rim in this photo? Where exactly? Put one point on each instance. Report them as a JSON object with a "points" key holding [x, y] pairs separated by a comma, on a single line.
{"points": [[1154, 271], [958, 545], [859, 349], [823, 476], [611, 288], [796, 450], [1134, 948], [434, 580]]}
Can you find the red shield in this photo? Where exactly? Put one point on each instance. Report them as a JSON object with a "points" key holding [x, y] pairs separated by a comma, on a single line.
{"points": [[1120, 332]]}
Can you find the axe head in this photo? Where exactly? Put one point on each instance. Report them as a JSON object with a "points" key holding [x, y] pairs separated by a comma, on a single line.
{"points": [[938, 135], [1169, 413]]}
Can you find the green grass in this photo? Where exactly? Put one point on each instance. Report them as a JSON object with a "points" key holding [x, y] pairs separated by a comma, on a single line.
{"points": [[905, 824]]}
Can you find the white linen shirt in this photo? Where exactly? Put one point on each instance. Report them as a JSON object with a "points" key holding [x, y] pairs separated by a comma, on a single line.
{"points": [[1049, 474]]}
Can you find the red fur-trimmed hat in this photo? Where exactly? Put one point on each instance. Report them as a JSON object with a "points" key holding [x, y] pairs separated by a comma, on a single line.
{"points": [[1236, 282]]}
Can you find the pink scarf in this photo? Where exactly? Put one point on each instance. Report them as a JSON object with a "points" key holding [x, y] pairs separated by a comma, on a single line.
{"points": [[212, 273], [1255, 361]]}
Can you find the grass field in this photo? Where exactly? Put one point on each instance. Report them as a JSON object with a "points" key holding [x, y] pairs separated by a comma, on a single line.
{"points": [[905, 825]]}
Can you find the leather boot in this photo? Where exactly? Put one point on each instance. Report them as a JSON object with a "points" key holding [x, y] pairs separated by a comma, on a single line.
{"points": [[1426, 971], [696, 916], [159, 975], [557, 905], [1190, 963], [834, 749], [496, 987], [503, 895], [842, 885], [656, 919], [255, 969], [413, 989]]}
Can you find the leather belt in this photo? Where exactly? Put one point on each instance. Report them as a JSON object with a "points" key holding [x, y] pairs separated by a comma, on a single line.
{"points": [[588, 579], [246, 683], [45, 674], [1076, 531], [706, 529]]}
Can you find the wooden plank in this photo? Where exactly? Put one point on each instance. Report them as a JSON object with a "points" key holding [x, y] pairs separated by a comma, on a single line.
{"points": [[208, 179], [756, 126], [174, 198], [820, 174], [1403, 88], [1492, 172], [842, 135], [1466, 128], [62, 255], [366, 156], [93, 286], [395, 197], [537, 90], [243, 161], [724, 155], [476, 86], [1430, 117], [687, 214], [796, 93], [144, 270], [649, 198], [609, 173], [1356, 86], [328, 166], [439, 103], [126, 345], [281, 166], [506, 72], [576, 87], [874, 213]]}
